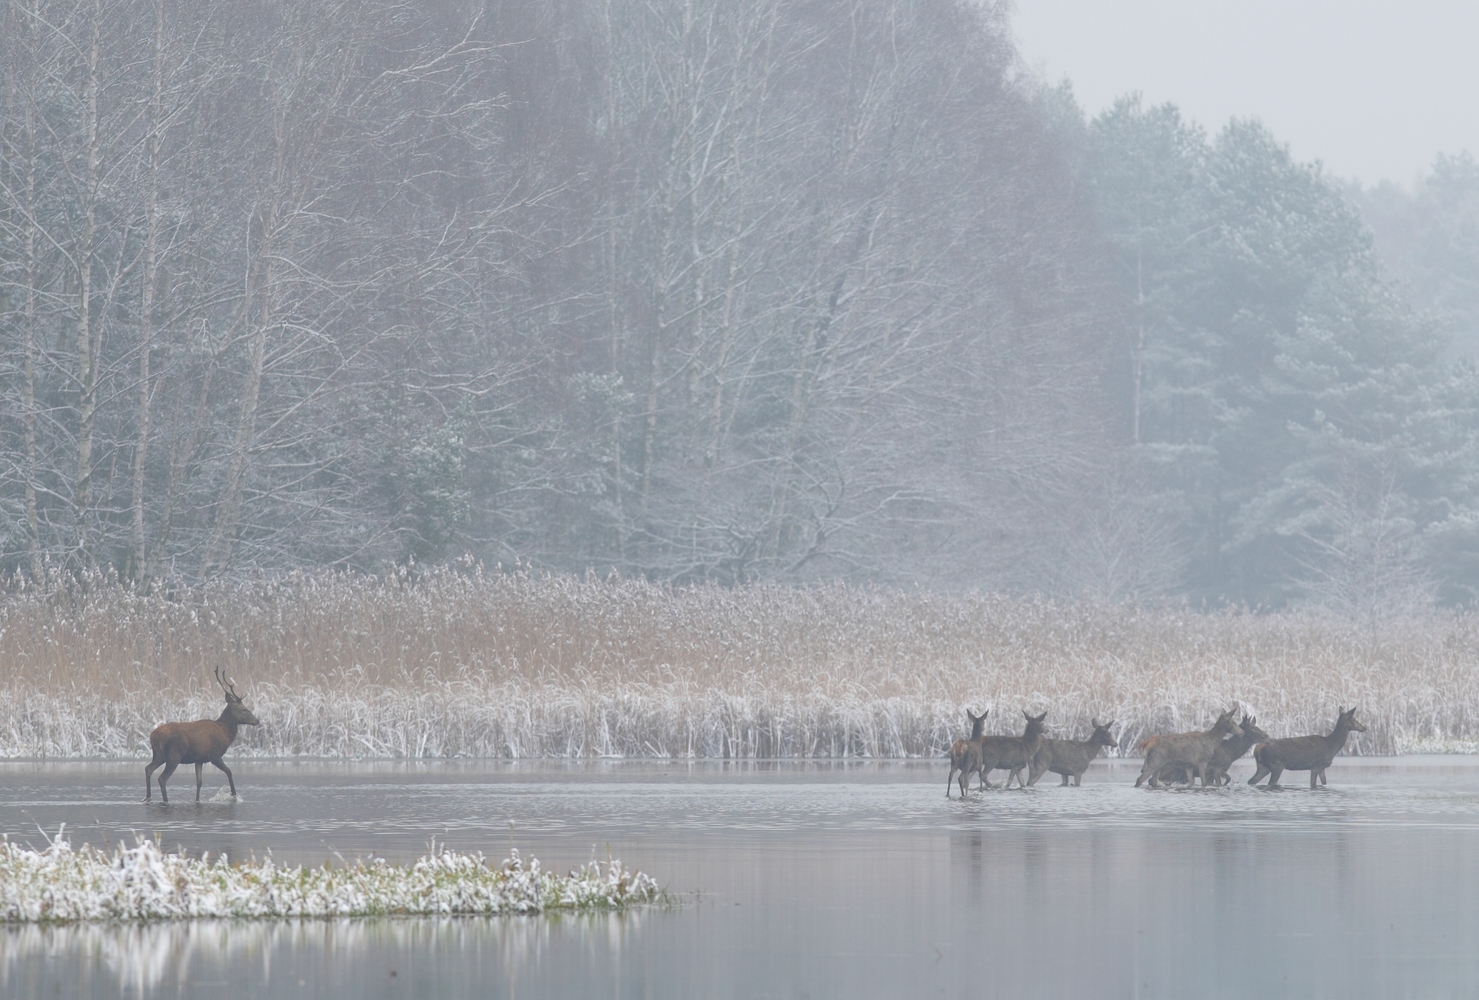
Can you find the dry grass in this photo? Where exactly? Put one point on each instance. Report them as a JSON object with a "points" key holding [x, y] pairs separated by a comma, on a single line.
{"points": [[462, 662]]}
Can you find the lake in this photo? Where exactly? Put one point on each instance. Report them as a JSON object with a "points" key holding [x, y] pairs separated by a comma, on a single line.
{"points": [[801, 879]]}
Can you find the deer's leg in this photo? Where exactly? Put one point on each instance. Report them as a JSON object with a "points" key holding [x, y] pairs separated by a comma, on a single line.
{"points": [[1259, 773], [1274, 772], [149, 777], [1322, 776], [229, 780], [1065, 780], [169, 769], [949, 779], [198, 767], [1314, 778]]}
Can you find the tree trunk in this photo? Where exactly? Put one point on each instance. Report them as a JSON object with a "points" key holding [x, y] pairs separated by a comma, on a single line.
{"points": [[87, 346], [137, 561]]}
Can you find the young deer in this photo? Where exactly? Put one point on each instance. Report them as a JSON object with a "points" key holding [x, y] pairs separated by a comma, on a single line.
{"points": [[1070, 758], [1228, 750], [198, 743], [1011, 753], [1304, 753], [1193, 751], [965, 755]]}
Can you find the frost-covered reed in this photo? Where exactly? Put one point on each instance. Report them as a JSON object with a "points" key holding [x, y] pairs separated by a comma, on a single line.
{"points": [[462, 662], [60, 884]]}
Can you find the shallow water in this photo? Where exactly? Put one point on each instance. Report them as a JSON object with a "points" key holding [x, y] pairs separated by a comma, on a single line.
{"points": [[803, 880]]}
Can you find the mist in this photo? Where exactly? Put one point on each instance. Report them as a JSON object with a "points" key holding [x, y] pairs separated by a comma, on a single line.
{"points": [[705, 292]]}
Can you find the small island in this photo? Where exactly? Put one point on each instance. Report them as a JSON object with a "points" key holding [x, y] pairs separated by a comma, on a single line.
{"points": [[61, 884]]}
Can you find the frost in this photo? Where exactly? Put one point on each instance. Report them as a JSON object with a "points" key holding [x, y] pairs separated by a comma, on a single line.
{"points": [[60, 884], [462, 663]]}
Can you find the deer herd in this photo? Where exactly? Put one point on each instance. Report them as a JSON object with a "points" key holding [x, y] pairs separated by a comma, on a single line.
{"points": [[1170, 757]]}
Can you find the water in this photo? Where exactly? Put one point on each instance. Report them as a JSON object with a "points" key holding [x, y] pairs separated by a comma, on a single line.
{"points": [[803, 880]]}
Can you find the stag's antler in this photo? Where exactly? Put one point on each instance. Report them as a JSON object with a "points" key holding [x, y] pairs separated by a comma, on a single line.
{"points": [[226, 685]]}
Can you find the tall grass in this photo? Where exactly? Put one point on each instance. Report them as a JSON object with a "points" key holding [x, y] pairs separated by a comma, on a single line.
{"points": [[459, 661]]}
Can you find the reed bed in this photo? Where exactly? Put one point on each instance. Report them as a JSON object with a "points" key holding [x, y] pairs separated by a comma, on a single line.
{"points": [[62, 885], [460, 661]]}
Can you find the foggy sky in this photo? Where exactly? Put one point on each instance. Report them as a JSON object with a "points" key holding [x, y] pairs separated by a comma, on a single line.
{"points": [[1374, 90]]}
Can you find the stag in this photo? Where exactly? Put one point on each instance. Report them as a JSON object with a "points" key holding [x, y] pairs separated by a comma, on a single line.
{"points": [[198, 743]]}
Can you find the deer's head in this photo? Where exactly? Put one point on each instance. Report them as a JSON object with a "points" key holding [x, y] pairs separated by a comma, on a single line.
{"points": [[977, 721], [1034, 722], [1347, 721], [1102, 735], [1249, 725], [1226, 723], [238, 712]]}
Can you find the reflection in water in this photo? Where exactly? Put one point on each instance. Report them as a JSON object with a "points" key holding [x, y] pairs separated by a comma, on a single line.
{"points": [[139, 959]]}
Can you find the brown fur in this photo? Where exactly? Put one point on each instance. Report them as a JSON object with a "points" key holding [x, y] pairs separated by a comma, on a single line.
{"points": [[198, 743], [1229, 750], [1304, 753], [1193, 751]]}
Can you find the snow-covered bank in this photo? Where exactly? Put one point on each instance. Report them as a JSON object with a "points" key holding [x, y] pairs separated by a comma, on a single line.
{"points": [[60, 884]]}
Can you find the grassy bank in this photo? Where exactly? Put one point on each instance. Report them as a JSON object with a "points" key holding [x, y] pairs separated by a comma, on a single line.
{"points": [[61, 885], [511, 665]]}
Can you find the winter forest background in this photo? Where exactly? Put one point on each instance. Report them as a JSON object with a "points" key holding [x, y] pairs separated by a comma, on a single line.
{"points": [[707, 291]]}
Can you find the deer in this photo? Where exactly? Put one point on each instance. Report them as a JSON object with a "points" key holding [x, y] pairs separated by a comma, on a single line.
{"points": [[1304, 753], [965, 755], [1193, 751], [1070, 758], [198, 743], [1229, 750], [1011, 753]]}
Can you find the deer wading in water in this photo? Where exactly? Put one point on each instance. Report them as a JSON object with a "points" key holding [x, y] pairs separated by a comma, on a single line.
{"points": [[198, 743], [1012, 753], [1193, 751], [1070, 758], [1228, 750], [965, 755], [1304, 753]]}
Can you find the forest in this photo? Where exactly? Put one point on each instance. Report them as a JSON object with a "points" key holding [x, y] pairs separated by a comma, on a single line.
{"points": [[787, 291]]}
